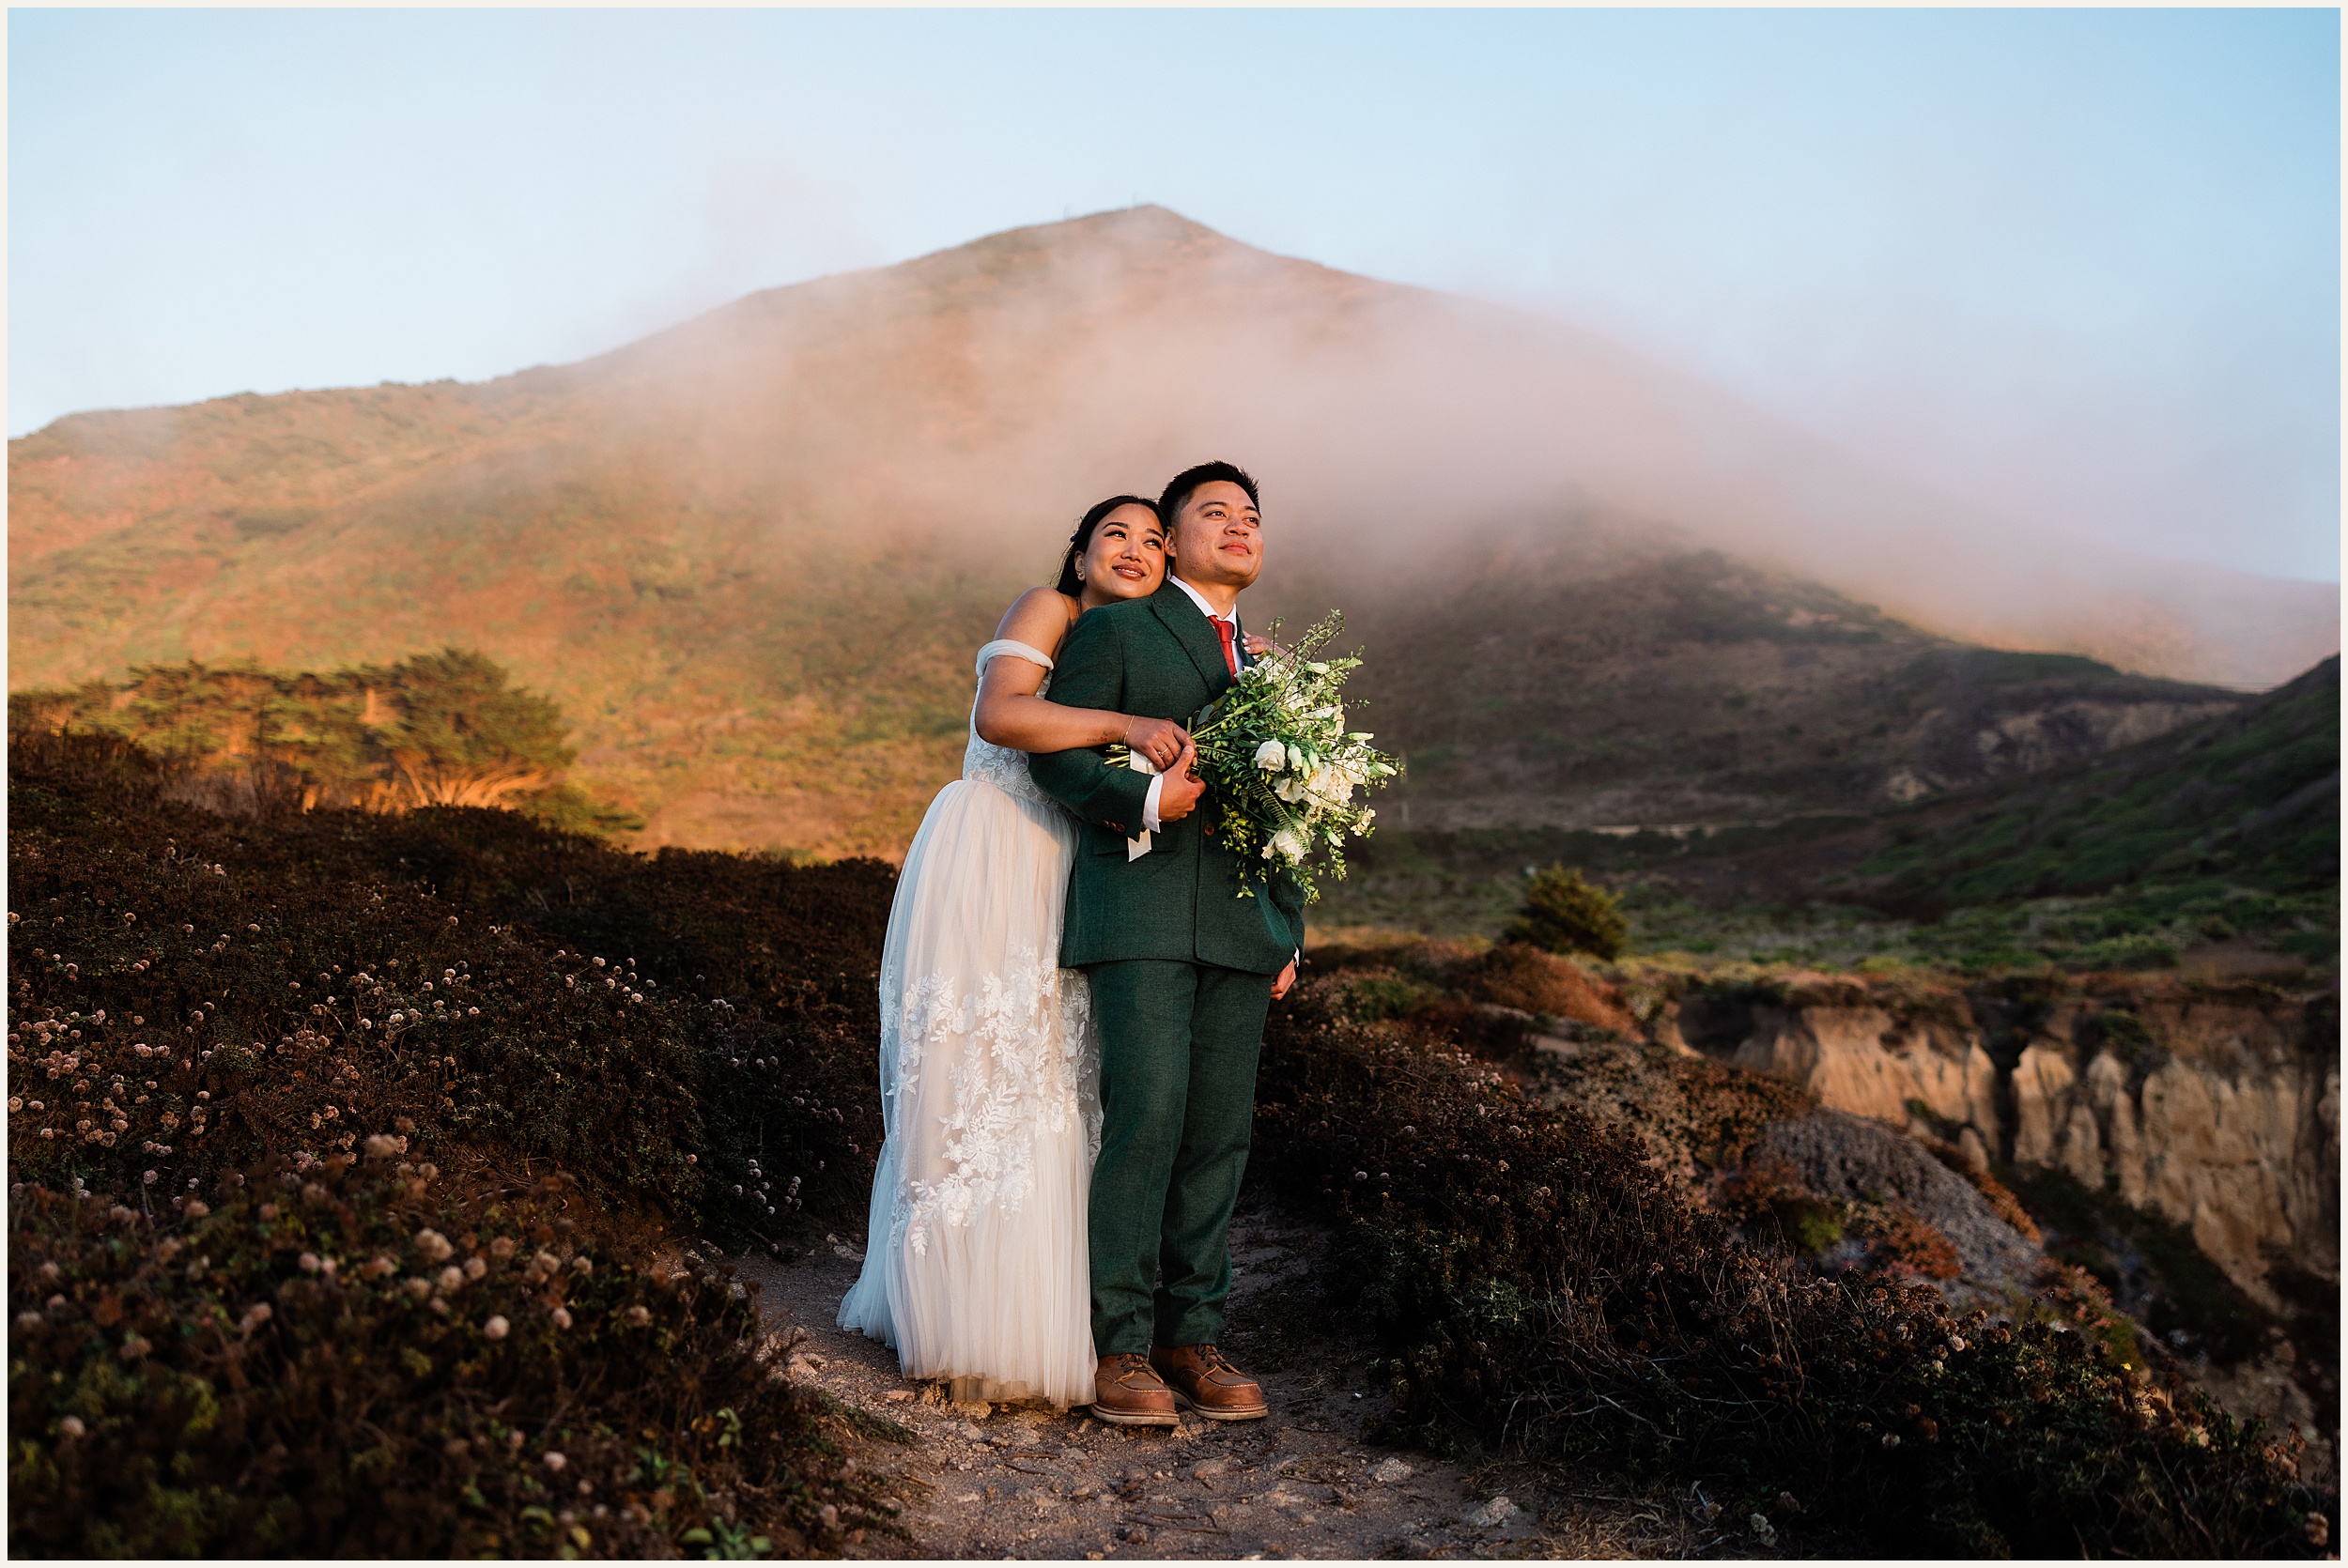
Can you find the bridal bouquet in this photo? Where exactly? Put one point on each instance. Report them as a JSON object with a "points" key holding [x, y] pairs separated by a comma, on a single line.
{"points": [[1280, 767]]}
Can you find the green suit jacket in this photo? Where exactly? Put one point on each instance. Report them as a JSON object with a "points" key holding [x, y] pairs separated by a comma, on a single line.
{"points": [[1157, 658]]}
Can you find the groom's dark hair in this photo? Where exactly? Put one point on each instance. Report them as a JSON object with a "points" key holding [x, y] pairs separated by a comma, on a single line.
{"points": [[1178, 491], [1081, 540]]}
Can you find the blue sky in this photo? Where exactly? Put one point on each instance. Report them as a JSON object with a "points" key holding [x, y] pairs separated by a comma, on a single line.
{"points": [[2082, 266]]}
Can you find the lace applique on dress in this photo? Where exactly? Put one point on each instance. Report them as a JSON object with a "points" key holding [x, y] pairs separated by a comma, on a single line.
{"points": [[1015, 1051]]}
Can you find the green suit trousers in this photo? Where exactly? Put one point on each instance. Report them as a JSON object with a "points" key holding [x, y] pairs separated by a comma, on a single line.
{"points": [[1179, 1043]]}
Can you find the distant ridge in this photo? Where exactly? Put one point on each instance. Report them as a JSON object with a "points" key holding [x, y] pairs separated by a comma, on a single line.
{"points": [[751, 554]]}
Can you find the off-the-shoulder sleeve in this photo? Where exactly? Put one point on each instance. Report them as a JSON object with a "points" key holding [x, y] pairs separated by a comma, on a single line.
{"points": [[1005, 645]]}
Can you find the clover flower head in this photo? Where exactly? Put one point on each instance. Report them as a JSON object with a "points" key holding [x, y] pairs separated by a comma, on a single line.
{"points": [[495, 1328]]}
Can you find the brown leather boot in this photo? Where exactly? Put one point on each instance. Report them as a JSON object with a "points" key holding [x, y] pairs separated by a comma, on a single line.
{"points": [[1203, 1381], [1126, 1392]]}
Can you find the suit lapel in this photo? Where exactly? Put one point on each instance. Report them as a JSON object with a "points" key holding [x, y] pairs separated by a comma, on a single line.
{"points": [[1189, 627]]}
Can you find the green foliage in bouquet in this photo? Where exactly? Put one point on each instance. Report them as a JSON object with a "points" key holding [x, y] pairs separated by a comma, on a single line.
{"points": [[1564, 913], [1282, 769]]}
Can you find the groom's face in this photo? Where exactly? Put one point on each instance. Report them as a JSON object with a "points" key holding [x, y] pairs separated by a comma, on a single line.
{"points": [[1217, 536]]}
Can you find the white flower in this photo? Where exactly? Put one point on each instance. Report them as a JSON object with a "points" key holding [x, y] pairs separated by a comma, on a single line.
{"points": [[1289, 843], [1296, 760], [1271, 755]]}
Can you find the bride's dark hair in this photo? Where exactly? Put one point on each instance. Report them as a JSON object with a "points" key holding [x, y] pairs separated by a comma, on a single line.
{"points": [[1081, 540]]}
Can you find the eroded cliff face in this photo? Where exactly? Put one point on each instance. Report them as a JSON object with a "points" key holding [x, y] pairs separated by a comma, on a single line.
{"points": [[2216, 1108]]}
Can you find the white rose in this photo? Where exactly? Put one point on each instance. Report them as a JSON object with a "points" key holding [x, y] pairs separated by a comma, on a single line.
{"points": [[1289, 843], [1271, 755]]}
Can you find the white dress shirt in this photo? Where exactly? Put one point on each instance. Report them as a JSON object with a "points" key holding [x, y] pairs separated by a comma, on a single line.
{"points": [[1150, 823]]}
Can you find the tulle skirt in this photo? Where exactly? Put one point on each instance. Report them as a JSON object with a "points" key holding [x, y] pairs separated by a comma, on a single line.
{"points": [[975, 1268]]}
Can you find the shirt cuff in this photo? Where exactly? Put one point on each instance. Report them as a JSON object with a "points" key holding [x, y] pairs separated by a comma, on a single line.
{"points": [[1150, 823]]}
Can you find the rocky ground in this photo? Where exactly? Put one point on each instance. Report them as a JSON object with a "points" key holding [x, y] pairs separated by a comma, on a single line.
{"points": [[1006, 1482]]}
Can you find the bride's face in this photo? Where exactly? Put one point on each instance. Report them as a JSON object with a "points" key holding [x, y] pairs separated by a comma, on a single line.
{"points": [[1126, 558]]}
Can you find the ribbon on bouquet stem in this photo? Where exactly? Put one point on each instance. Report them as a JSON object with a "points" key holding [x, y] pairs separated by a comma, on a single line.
{"points": [[1137, 847]]}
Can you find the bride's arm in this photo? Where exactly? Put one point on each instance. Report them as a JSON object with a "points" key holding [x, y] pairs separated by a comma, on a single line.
{"points": [[1011, 714]]}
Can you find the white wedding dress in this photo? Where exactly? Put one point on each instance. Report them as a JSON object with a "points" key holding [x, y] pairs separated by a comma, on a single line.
{"points": [[976, 1268]]}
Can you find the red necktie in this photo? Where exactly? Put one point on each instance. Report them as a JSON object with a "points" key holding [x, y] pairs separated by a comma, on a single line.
{"points": [[1231, 649]]}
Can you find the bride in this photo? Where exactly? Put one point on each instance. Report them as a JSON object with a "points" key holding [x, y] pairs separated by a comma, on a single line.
{"points": [[975, 1268]]}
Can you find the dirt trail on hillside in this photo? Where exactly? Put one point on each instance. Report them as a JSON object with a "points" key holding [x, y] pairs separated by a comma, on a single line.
{"points": [[1005, 1482]]}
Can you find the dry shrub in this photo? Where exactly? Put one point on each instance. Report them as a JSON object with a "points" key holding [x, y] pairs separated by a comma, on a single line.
{"points": [[1909, 1243], [1712, 1111], [1769, 1193], [724, 1039], [2007, 1205], [1999, 1196], [196, 1002], [343, 1360], [1538, 1280], [1518, 975]]}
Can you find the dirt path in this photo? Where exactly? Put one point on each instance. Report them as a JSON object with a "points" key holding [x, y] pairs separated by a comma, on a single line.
{"points": [[1004, 1482]]}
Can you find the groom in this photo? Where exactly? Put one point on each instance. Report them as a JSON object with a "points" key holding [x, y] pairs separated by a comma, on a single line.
{"points": [[1182, 968]]}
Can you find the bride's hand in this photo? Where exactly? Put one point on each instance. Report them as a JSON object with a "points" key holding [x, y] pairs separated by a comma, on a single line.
{"points": [[1263, 647], [1160, 740]]}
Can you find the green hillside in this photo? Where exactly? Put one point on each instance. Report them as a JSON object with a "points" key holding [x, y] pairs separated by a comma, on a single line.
{"points": [[2215, 844], [1587, 675], [2252, 797]]}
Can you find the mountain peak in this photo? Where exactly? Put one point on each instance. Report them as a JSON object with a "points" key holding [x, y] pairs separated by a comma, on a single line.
{"points": [[1128, 239], [1147, 224]]}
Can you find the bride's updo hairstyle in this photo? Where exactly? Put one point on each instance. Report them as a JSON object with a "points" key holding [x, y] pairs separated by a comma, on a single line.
{"points": [[1081, 540]]}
